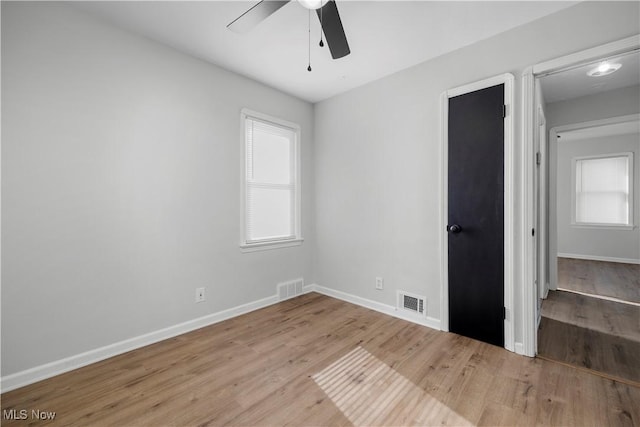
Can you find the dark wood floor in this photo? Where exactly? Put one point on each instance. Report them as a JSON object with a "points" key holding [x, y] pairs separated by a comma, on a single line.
{"points": [[314, 360], [592, 333], [610, 279]]}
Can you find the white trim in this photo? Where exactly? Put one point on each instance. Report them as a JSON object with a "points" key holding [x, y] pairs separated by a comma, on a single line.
{"points": [[553, 216], [308, 288], [596, 123], [244, 112], [509, 201], [481, 84], [602, 297], [543, 205], [602, 226], [528, 133], [444, 210], [296, 239], [390, 310], [588, 55], [508, 81], [527, 242], [519, 348], [263, 246], [599, 258], [48, 370]]}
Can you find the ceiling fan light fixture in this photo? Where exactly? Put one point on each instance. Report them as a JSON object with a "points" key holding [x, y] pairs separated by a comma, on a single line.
{"points": [[313, 4], [604, 69]]}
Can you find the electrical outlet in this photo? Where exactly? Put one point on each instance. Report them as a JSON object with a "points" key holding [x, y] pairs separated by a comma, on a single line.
{"points": [[379, 283], [199, 294]]}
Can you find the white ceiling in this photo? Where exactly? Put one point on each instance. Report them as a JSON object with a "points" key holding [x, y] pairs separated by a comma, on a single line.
{"points": [[574, 83], [384, 36]]}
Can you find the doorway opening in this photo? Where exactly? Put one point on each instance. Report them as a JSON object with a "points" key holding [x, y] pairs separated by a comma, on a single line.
{"points": [[582, 186]]}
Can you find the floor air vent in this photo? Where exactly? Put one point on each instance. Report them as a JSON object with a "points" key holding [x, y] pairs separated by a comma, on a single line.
{"points": [[413, 303], [290, 289]]}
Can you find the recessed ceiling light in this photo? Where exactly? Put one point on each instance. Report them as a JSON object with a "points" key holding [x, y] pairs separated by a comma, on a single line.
{"points": [[603, 69], [313, 4]]}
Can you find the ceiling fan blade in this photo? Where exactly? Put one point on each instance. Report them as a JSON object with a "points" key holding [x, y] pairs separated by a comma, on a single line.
{"points": [[255, 15], [333, 30]]}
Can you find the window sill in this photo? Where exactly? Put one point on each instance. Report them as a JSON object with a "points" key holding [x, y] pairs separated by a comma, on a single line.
{"points": [[604, 226], [265, 246]]}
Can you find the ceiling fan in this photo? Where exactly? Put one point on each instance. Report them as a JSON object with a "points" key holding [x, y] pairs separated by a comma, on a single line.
{"points": [[326, 10]]}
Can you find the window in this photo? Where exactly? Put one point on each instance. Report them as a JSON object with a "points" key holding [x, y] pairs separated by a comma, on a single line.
{"points": [[603, 193], [270, 182]]}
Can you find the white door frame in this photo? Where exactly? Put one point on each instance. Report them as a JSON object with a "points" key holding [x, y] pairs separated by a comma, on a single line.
{"points": [[529, 123], [541, 232], [508, 81]]}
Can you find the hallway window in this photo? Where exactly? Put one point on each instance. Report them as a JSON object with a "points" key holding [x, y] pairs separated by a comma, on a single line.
{"points": [[271, 188], [603, 194]]}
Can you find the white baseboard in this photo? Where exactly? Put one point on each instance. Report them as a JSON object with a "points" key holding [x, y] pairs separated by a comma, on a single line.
{"points": [[308, 288], [48, 370], [42, 372], [600, 258], [378, 306]]}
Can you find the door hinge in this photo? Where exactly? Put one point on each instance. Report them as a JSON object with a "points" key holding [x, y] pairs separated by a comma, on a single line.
{"points": [[504, 313], [533, 231], [504, 111], [538, 158], [540, 117]]}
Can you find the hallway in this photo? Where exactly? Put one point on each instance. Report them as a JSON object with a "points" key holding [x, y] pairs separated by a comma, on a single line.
{"points": [[601, 331]]}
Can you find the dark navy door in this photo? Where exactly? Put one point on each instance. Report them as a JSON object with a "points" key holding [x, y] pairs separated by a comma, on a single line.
{"points": [[476, 214]]}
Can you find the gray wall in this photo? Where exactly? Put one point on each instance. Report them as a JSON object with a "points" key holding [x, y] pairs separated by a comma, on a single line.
{"points": [[605, 105], [120, 186], [120, 177], [377, 155], [599, 242]]}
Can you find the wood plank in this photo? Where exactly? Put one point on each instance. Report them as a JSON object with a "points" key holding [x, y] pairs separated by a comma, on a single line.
{"points": [[608, 317], [591, 333], [591, 349], [259, 368], [611, 279]]}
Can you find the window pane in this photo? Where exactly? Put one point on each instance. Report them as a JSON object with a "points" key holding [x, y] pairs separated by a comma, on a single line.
{"points": [[269, 213], [270, 180], [602, 208], [605, 174], [270, 154], [602, 190]]}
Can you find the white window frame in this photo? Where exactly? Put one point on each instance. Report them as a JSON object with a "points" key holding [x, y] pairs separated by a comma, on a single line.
{"points": [[574, 222], [296, 240]]}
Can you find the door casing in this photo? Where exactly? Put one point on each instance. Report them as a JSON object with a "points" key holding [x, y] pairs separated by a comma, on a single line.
{"points": [[528, 259], [508, 81]]}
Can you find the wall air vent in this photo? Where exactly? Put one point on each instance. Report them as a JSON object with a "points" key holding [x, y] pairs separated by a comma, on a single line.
{"points": [[290, 289], [413, 303]]}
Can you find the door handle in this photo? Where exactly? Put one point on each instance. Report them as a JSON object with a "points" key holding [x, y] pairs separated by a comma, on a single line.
{"points": [[455, 228]]}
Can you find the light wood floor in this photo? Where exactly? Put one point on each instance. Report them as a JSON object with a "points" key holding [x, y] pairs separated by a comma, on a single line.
{"points": [[611, 279], [315, 360], [592, 333]]}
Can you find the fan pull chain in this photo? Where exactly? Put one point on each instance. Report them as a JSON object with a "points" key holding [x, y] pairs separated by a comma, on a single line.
{"points": [[309, 67], [321, 42]]}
